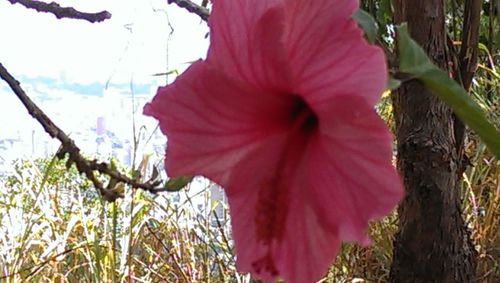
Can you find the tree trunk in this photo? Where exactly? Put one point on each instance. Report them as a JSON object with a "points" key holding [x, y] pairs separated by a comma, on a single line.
{"points": [[432, 244]]}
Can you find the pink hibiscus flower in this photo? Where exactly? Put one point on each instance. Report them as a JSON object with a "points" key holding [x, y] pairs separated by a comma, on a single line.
{"points": [[281, 115]]}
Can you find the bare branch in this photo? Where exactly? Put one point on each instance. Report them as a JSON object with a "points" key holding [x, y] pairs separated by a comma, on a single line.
{"points": [[470, 38], [467, 63], [68, 147], [194, 8], [62, 12]]}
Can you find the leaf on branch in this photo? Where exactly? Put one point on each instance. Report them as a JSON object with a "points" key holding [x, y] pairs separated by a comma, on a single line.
{"points": [[393, 83], [367, 23], [414, 61], [177, 183]]}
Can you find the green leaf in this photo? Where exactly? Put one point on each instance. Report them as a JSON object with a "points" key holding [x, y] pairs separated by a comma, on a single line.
{"points": [[393, 83], [367, 23], [414, 61], [177, 183]]}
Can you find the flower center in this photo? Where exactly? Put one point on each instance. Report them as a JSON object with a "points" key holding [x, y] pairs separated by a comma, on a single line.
{"points": [[302, 115]]}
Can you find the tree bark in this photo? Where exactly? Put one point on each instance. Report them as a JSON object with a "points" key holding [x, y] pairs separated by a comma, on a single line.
{"points": [[466, 68], [432, 243]]}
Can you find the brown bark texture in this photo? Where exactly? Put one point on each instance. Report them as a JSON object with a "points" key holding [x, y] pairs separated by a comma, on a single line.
{"points": [[432, 243], [466, 67]]}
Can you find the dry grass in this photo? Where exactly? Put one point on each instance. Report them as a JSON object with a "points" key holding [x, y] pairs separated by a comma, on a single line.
{"points": [[55, 228]]}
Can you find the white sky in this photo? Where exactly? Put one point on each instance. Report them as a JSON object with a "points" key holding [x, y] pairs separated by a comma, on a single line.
{"points": [[130, 45], [37, 44]]}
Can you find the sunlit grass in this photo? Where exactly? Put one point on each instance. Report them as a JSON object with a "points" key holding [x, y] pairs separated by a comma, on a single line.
{"points": [[55, 228]]}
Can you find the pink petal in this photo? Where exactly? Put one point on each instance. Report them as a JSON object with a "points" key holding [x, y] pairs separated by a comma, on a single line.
{"points": [[309, 250], [295, 190], [353, 180], [323, 189], [238, 137], [276, 230], [245, 42], [213, 122], [328, 54]]}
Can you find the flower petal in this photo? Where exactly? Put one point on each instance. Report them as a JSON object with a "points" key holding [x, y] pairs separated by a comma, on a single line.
{"points": [[309, 250], [354, 180], [212, 122], [276, 231], [245, 42], [328, 55]]}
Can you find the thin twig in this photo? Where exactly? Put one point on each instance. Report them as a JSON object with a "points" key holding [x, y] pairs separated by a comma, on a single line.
{"points": [[62, 12], [194, 8], [68, 146]]}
